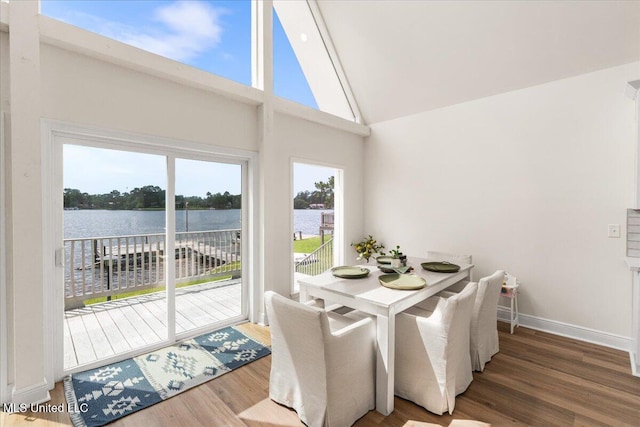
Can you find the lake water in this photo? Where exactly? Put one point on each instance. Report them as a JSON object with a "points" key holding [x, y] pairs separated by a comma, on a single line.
{"points": [[101, 223]]}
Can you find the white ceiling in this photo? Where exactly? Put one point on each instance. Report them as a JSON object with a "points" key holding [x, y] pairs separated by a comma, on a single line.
{"points": [[405, 57]]}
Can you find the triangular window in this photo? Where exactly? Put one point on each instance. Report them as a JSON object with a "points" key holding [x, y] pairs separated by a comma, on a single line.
{"points": [[289, 80], [301, 27]]}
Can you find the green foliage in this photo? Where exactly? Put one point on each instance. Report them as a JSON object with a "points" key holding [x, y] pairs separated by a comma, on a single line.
{"points": [[149, 197], [323, 195], [367, 247], [300, 203], [395, 253]]}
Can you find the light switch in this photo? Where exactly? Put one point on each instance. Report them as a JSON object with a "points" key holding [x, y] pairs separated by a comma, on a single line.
{"points": [[614, 230]]}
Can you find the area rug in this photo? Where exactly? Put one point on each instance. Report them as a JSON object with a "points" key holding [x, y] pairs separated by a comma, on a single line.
{"points": [[99, 396]]}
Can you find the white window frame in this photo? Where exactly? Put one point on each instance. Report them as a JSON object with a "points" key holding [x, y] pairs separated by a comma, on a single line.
{"points": [[338, 212]]}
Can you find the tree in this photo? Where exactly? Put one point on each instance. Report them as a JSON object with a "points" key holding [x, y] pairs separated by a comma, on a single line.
{"points": [[147, 197], [325, 192], [301, 200], [322, 195]]}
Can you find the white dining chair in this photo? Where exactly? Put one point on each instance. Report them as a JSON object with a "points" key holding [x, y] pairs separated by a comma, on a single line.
{"points": [[433, 362], [484, 323], [322, 363]]}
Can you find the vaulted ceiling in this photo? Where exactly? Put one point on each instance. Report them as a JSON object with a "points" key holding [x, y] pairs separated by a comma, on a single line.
{"points": [[405, 57]]}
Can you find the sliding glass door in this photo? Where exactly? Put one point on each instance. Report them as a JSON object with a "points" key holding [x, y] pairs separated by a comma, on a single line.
{"points": [[152, 248]]}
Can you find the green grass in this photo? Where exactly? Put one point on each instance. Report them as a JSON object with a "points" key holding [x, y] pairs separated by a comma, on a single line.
{"points": [[233, 265], [325, 258], [306, 246]]}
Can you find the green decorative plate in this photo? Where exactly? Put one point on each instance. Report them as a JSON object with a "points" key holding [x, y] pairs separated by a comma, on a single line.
{"points": [[348, 272], [384, 259], [389, 269], [402, 281], [441, 267]]}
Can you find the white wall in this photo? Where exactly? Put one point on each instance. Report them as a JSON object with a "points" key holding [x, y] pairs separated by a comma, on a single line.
{"points": [[4, 70], [81, 89], [305, 141], [526, 181]]}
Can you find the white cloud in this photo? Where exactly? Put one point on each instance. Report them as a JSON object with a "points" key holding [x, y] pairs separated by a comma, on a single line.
{"points": [[183, 30], [193, 27]]}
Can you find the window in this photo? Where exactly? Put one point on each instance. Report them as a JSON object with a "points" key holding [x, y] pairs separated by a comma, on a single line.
{"points": [[289, 80], [149, 243], [301, 27], [214, 36]]}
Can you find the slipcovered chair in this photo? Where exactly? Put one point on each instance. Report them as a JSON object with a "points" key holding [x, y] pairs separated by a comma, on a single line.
{"points": [[322, 363], [484, 323], [433, 362]]}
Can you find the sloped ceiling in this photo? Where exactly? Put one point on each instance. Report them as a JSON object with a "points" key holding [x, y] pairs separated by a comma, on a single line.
{"points": [[405, 57]]}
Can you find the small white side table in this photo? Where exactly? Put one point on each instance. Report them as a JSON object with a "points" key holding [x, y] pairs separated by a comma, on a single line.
{"points": [[510, 291]]}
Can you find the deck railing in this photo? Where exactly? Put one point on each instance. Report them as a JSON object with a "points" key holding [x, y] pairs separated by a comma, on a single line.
{"points": [[317, 261], [106, 266]]}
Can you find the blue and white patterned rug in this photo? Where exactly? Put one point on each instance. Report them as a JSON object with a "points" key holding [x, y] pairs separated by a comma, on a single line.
{"points": [[100, 396]]}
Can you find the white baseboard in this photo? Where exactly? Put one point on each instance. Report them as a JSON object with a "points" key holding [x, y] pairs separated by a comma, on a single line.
{"points": [[570, 331], [262, 319], [635, 364], [37, 393]]}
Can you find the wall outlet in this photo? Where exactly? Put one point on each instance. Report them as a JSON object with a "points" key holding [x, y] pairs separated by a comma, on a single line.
{"points": [[614, 230]]}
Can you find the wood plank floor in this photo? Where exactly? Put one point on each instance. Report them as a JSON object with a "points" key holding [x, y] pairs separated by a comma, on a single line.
{"points": [[102, 330], [537, 379]]}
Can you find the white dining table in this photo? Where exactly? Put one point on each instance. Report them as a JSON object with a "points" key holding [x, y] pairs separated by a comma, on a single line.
{"points": [[368, 295]]}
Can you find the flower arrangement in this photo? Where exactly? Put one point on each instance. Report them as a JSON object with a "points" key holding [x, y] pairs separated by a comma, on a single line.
{"points": [[395, 253], [397, 257], [367, 247]]}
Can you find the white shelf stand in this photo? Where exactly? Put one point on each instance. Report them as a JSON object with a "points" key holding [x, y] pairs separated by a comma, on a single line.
{"points": [[510, 290]]}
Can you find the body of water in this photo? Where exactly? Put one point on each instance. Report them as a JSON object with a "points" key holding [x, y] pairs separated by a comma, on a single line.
{"points": [[99, 223]]}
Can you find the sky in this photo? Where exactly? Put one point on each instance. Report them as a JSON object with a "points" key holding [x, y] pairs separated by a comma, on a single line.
{"points": [[100, 171], [214, 36]]}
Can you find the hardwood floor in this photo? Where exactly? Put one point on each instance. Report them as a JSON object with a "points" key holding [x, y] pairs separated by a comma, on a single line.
{"points": [[536, 379]]}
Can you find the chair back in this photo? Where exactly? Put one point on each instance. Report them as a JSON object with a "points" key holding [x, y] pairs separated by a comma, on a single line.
{"points": [[484, 323], [452, 258], [432, 351], [460, 375], [298, 349]]}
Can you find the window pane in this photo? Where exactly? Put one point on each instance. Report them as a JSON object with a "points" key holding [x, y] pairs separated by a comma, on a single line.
{"points": [[208, 244], [289, 80], [114, 222], [214, 36], [301, 61]]}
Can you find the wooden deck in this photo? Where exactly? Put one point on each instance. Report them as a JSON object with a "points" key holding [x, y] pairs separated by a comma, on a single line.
{"points": [[102, 330]]}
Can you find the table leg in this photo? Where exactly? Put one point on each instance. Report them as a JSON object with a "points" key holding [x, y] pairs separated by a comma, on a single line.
{"points": [[303, 294], [385, 378]]}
